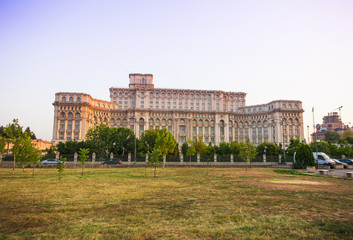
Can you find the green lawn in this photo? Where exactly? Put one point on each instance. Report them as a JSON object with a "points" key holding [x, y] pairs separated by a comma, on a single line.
{"points": [[182, 203]]}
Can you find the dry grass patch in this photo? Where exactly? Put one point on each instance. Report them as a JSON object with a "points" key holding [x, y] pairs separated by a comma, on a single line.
{"points": [[181, 203]]}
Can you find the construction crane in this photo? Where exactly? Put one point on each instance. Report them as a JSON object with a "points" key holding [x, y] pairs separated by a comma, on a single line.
{"points": [[339, 109]]}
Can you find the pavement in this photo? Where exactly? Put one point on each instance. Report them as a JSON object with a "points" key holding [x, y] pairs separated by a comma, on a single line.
{"points": [[338, 172]]}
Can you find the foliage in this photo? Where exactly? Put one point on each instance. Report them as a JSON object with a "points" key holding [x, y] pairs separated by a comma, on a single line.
{"points": [[71, 146], [304, 157], [210, 150], [224, 149], [347, 133], [60, 166], [148, 140], [293, 146], [30, 133], [287, 171], [345, 150], [322, 146], [247, 151], [235, 148], [49, 152], [104, 140], [271, 149], [184, 148], [2, 145], [332, 137], [164, 144], [191, 150], [83, 157], [24, 151]]}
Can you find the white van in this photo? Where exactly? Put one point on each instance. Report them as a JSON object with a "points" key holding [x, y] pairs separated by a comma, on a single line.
{"points": [[323, 159]]}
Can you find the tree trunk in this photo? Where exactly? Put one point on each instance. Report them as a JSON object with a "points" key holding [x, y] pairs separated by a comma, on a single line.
{"points": [[23, 168], [33, 171], [155, 171], [82, 170]]}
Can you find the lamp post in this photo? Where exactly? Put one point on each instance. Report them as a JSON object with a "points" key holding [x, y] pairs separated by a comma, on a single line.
{"points": [[284, 154], [314, 134], [135, 140]]}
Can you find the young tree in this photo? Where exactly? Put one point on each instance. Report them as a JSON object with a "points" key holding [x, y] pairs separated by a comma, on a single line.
{"points": [[322, 146], [224, 148], [304, 157], [191, 150], [184, 148], [247, 151], [25, 151], [235, 148], [2, 145], [12, 132], [210, 150], [60, 166], [164, 144], [83, 157]]}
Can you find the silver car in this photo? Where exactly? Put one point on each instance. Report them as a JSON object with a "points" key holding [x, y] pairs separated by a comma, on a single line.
{"points": [[50, 162]]}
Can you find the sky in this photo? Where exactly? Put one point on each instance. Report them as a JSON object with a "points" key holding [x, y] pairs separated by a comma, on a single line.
{"points": [[295, 50]]}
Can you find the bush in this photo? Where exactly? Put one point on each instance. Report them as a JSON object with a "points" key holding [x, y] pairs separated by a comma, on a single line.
{"points": [[304, 157]]}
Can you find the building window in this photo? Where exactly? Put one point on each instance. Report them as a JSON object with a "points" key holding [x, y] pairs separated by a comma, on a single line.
{"points": [[71, 99], [77, 125], [181, 129], [212, 130], [63, 99], [62, 125], [194, 130], [200, 130]]}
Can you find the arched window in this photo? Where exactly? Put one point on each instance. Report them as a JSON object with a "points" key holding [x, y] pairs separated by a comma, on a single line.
{"points": [[221, 127], [163, 121], [169, 122], [77, 115], [112, 121], [253, 124], [141, 125], [157, 121], [78, 99], [70, 115], [182, 121], [62, 115], [63, 99], [206, 122], [200, 122], [71, 99], [151, 121]]}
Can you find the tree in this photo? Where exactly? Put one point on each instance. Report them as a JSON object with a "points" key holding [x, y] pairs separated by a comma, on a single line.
{"points": [[191, 150], [235, 148], [25, 151], [2, 145], [199, 146], [345, 150], [184, 148], [271, 149], [304, 157], [247, 151], [164, 144], [347, 133], [12, 132], [224, 148], [332, 137], [293, 146], [83, 157], [104, 140], [148, 140], [30, 133], [60, 166], [322, 146], [210, 150]]}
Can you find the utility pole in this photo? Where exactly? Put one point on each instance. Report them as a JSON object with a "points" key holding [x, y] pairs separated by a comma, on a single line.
{"points": [[308, 134], [314, 134]]}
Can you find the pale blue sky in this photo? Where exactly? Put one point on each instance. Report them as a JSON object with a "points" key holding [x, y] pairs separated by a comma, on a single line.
{"points": [[301, 50]]}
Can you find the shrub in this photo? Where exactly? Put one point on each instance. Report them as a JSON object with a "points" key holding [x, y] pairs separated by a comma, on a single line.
{"points": [[304, 157]]}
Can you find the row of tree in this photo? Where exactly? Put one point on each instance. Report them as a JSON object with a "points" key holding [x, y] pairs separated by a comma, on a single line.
{"points": [[334, 137]]}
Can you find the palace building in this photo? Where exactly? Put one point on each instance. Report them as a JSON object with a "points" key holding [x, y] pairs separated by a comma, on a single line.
{"points": [[216, 116]]}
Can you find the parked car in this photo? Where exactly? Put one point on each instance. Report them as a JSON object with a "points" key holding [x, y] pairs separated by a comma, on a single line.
{"points": [[337, 162], [323, 159], [112, 161], [50, 162], [348, 161]]}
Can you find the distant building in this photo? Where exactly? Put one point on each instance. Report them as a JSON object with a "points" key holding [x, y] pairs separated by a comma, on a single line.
{"points": [[216, 116], [331, 122]]}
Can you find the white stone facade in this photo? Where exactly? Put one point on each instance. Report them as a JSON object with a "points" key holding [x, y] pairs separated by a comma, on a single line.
{"points": [[216, 116]]}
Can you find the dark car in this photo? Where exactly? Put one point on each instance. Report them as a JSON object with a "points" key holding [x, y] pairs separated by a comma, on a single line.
{"points": [[348, 161], [112, 161]]}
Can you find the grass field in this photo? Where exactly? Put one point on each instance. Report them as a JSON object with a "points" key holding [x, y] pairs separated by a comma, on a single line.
{"points": [[182, 203]]}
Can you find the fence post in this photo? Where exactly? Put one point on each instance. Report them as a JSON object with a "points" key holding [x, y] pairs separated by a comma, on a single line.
{"points": [[93, 157], [198, 158], [231, 158], [75, 157], [57, 154], [264, 157], [215, 157], [129, 158], [146, 157], [164, 160], [111, 155], [279, 158], [181, 157]]}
